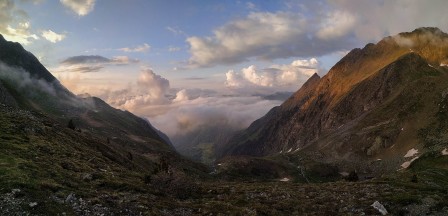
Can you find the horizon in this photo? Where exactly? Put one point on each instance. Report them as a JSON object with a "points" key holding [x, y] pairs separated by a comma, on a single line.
{"points": [[202, 62]]}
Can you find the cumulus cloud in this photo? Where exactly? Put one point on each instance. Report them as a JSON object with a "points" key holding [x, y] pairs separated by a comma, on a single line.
{"points": [[142, 48], [92, 63], [155, 84], [262, 35], [80, 7], [276, 77], [52, 36], [15, 24], [150, 89], [312, 29], [181, 95]]}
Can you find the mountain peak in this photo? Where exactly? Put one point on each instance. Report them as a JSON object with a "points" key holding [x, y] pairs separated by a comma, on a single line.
{"points": [[424, 34], [434, 30], [368, 87], [315, 76], [15, 55]]}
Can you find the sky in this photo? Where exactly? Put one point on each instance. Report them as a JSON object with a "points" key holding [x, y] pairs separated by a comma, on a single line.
{"points": [[184, 64]]}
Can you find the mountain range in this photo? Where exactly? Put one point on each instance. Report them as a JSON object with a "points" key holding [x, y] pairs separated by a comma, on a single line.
{"points": [[372, 107], [379, 115]]}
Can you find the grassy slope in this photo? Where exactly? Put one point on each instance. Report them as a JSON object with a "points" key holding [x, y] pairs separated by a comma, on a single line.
{"points": [[48, 162]]}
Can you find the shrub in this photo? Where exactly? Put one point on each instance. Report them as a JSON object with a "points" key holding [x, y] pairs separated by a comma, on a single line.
{"points": [[71, 124], [353, 176]]}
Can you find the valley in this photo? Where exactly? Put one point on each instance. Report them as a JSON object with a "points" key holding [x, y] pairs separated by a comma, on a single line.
{"points": [[368, 137]]}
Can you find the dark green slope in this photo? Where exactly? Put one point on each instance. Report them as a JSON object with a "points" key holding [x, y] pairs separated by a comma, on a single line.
{"points": [[109, 158]]}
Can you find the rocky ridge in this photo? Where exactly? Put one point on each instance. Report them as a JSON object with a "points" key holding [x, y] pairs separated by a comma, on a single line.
{"points": [[373, 99]]}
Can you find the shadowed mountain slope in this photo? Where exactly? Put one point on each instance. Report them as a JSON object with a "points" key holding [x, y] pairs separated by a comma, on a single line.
{"points": [[54, 144]]}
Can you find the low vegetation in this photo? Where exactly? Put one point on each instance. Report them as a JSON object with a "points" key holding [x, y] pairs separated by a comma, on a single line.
{"points": [[50, 169]]}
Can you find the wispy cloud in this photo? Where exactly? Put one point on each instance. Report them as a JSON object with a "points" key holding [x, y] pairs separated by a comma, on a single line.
{"points": [[53, 36], [91, 63], [175, 30], [251, 6], [173, 49], [142, 48], [80, 7]]}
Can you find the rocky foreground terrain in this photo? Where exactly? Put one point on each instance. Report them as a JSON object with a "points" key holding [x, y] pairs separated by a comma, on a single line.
{"points": [[49, 169]]}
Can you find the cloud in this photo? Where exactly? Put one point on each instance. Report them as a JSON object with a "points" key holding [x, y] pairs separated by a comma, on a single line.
{"points": [[93, 59], [119, 60], [195, 78], [175, 30], [153, 82], [173, 49], [180, 111], [251, 6], [53, 36], [80, 69], [189, 109], [92, 63], [275, 77], [70, 80], [337, 24], [80, 7], [24, 81], [150, 89], [32, 1], [142, 48], [181, 95], [185, 115], [311, 28], [373, 17], [15, 24], [261, 35], [83, 59]]}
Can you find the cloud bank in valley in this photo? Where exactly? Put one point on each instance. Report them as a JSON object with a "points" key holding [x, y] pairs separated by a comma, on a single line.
{"points": [[180, 111]]}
